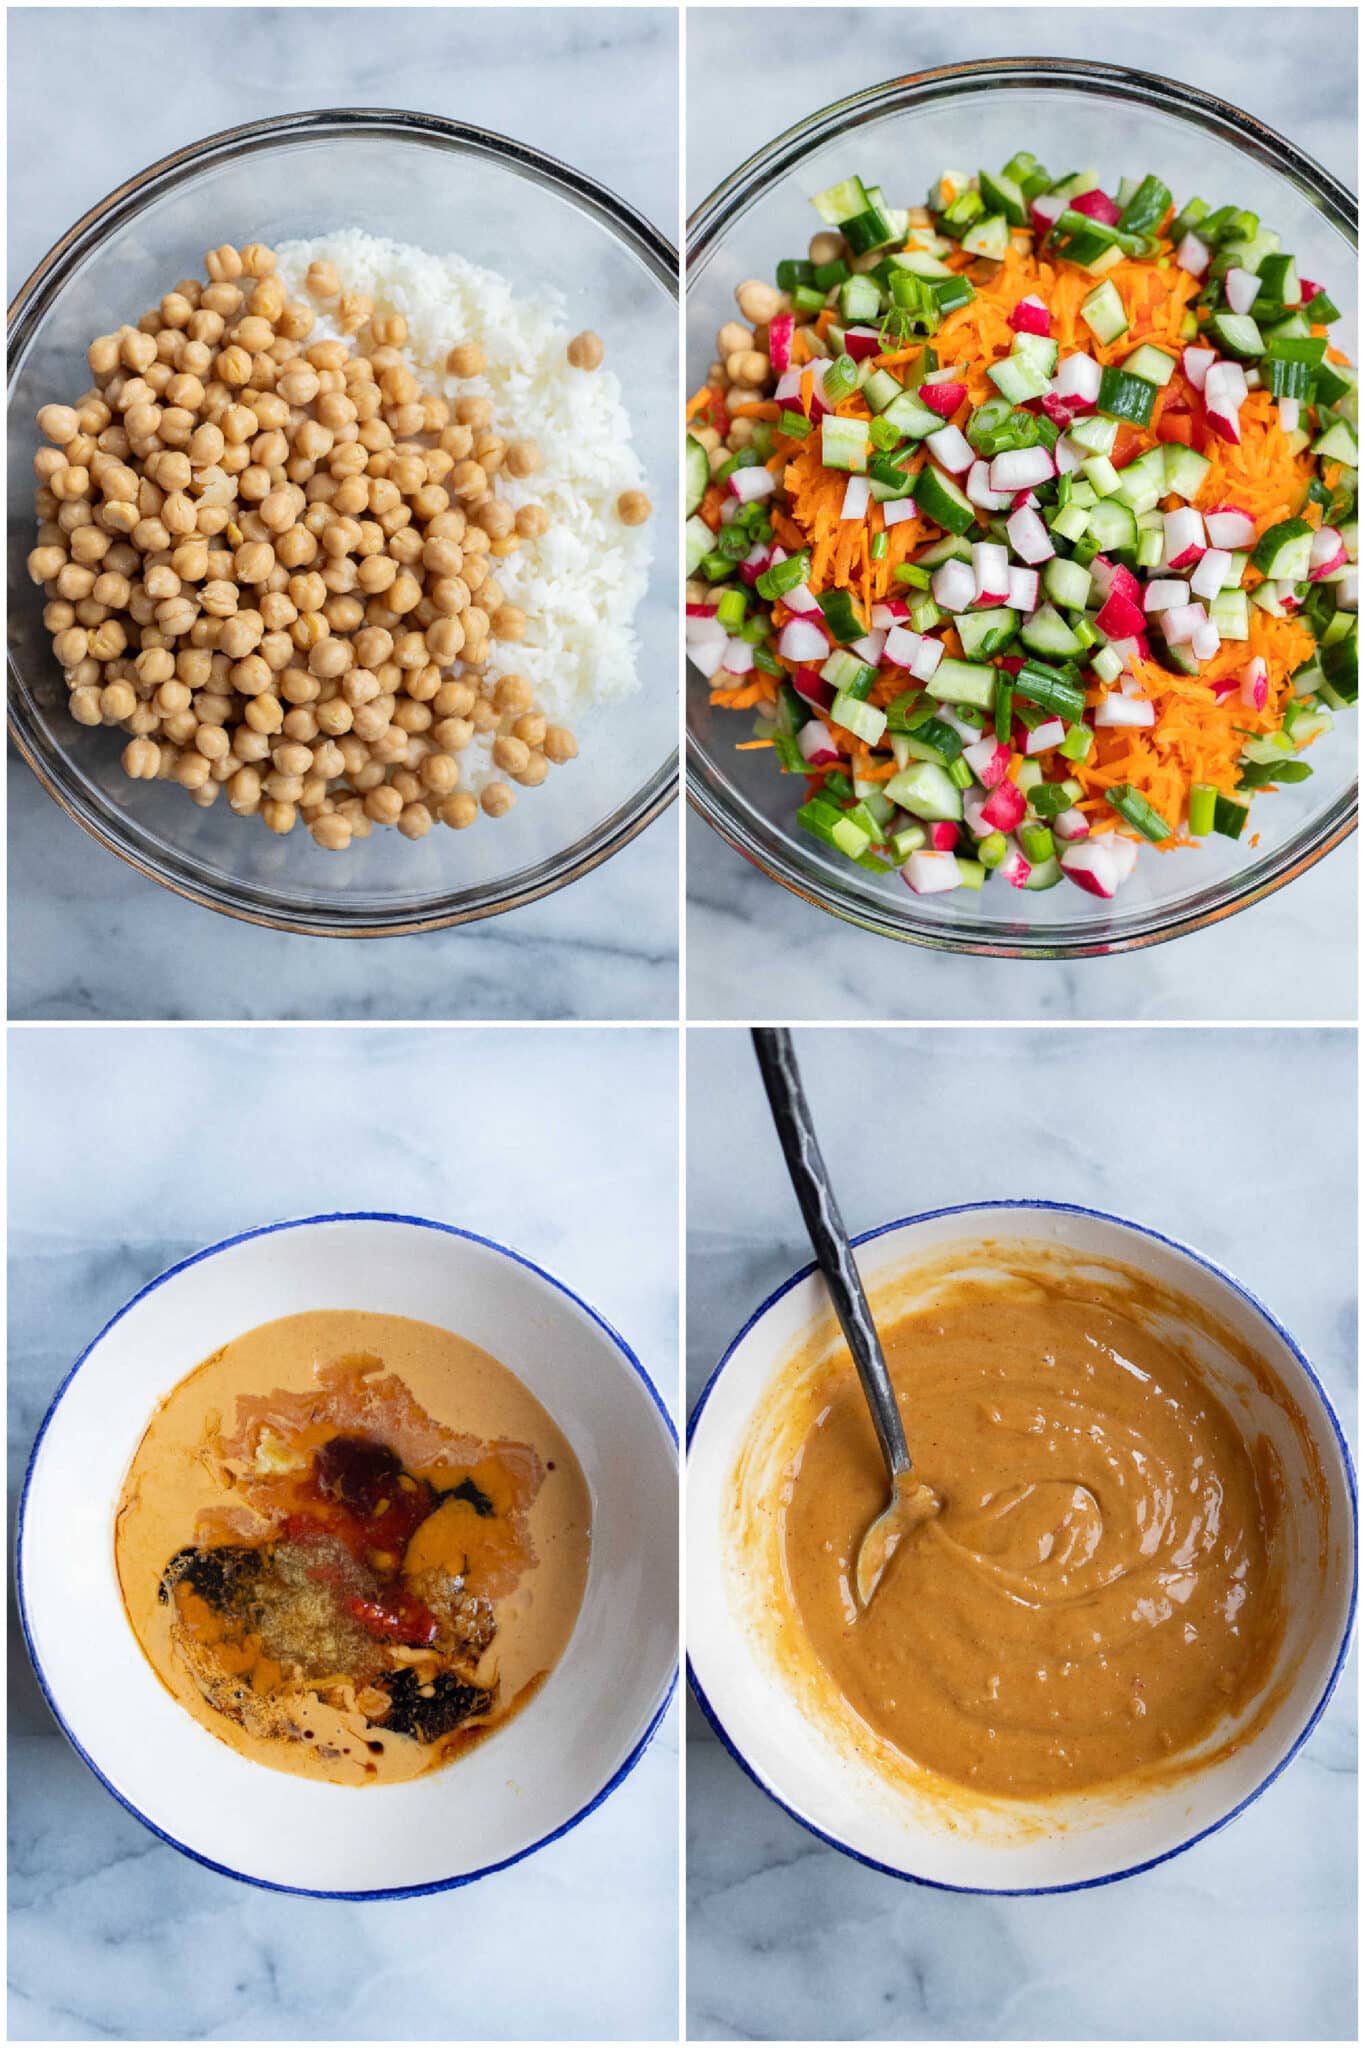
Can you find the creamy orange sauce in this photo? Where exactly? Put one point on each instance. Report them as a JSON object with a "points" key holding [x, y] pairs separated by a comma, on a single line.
{"points": [[482, 1593], [1102, 1587]]}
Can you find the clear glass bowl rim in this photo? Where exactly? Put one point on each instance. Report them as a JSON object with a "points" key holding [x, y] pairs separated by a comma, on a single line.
{"points": [[38, 292], [706, 225]]}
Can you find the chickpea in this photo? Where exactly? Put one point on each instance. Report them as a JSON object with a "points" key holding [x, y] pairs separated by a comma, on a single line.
{"points": [[323, 280], [633, 508], [466, 359], [511, 754], [585, 352], [559, 744], [332, 831], [355, 309], [497, 799], [141, 760], [508, 622], [257, 260], [279, 817], [747, 366], [532, 521], [734, 338], [523, 458], [46, 563], [60, 423]]}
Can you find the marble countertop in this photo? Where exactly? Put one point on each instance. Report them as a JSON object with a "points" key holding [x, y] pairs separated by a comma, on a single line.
{"points": [[89, 937], [113, 1935], [746, 934], [1252, 1934]]}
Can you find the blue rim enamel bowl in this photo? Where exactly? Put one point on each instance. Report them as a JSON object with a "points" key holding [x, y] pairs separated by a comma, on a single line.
{"points": [[536, 1777], [818, 1762]]}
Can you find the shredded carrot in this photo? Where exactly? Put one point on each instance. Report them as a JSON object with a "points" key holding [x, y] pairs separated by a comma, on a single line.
{"points": [[751, 746], [757, 409]]}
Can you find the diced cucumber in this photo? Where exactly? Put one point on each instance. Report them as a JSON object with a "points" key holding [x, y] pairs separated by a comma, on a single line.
{"points": [[1237, 334], [988, 237], [963, 682], [1041, 348], [987, 632], [1282, 553], [1113, 527], [1019, 377], [880, 389], [1338, 444], [1101, 475], [1067, 583], [1230, 614], [952, 548], [926, 791], [1185, 470], [843, 443], [697, 473], [1150, 362], [864, 720], [1072, 522], [859, 300], [939, 499], [1094, 433], [838, 203], [1001, 195], [698, 541], [910, 416], [1045, 874], [1104, 313], [1048, 633]]}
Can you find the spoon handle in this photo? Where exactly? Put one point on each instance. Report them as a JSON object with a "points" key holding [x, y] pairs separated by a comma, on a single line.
{"points": [[833, 1253]]}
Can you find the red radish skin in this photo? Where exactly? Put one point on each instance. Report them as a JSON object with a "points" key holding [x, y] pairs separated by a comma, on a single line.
{"points": [[809, 684], [1090, 864], [1005, 808], [989, 761], [781, 328], [944, 399], [1031, 316], [1014, 869], [942, 835], [1096, 206]]}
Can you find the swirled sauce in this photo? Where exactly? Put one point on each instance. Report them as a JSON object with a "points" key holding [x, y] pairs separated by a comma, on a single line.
{"points": [[1099, 1587]]}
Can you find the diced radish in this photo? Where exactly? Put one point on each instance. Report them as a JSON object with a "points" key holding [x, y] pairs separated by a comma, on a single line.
{"points": [[707, 655], [929, 874], [1205, 641], [1050, 733], [1069, 455], [954, 586], [1020, 499], [925, 659], [801, 599], [1241, 289], [1023, 590], [1209, 578], [802, 640], [1045, 211], [1185, 542], [702, 611], [1077, 382], [787, 390], [869, 647], [739, 657], [1014, 869], [1125, 852], [1307, 290], [1098, 206], [781, 328], [943, 398], [817, 744], [1228, 526], [1090, 863], [978, 489], [952, 450], [989, 760], [896, 509], [810, 685], [1116, 709], [1070, 825], [1196, 363], [990, 566], [731, 509], [857, 497], [972, 803], [754, 563], [1225, 393], [1029, 537], [1287, 594], [1348, 588], [1224, 686], [1118, 617], [1164, 593], [1289, 410], [1328, 553], [1182, 622], [748, 484], [1055, 409], [889, 614], [1255, 685], [942, 835], [900, 647], [1005, 807], [1019, 469], [1192, 255], [861, 341], [1129, 684], [1031, 316]]}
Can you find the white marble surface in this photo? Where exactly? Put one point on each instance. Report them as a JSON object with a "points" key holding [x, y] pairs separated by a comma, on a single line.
{"points": [[566, 1149], [1249, 1936], [595, 87], [754, 949]]}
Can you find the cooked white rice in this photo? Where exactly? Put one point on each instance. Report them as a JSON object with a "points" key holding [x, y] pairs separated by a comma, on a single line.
{"points": [[580, 583]]}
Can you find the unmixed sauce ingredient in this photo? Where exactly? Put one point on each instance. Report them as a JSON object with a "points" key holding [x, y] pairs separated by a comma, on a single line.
{"points": [[1099, 1588], [357, 1590]]}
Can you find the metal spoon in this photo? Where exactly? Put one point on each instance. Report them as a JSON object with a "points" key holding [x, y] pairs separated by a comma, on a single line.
{"points": [[911, 1502]]}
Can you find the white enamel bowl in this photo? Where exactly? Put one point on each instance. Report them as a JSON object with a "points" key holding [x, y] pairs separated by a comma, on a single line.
{"points": [[531, 1781], [834, 1791]]}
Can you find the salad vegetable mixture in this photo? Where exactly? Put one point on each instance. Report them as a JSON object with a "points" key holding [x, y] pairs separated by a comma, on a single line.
{"points": [[1026, 524]]}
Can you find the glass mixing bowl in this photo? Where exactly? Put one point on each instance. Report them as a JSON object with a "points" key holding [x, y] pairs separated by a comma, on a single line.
{"points": [[442, 186], [1097, 116]]}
